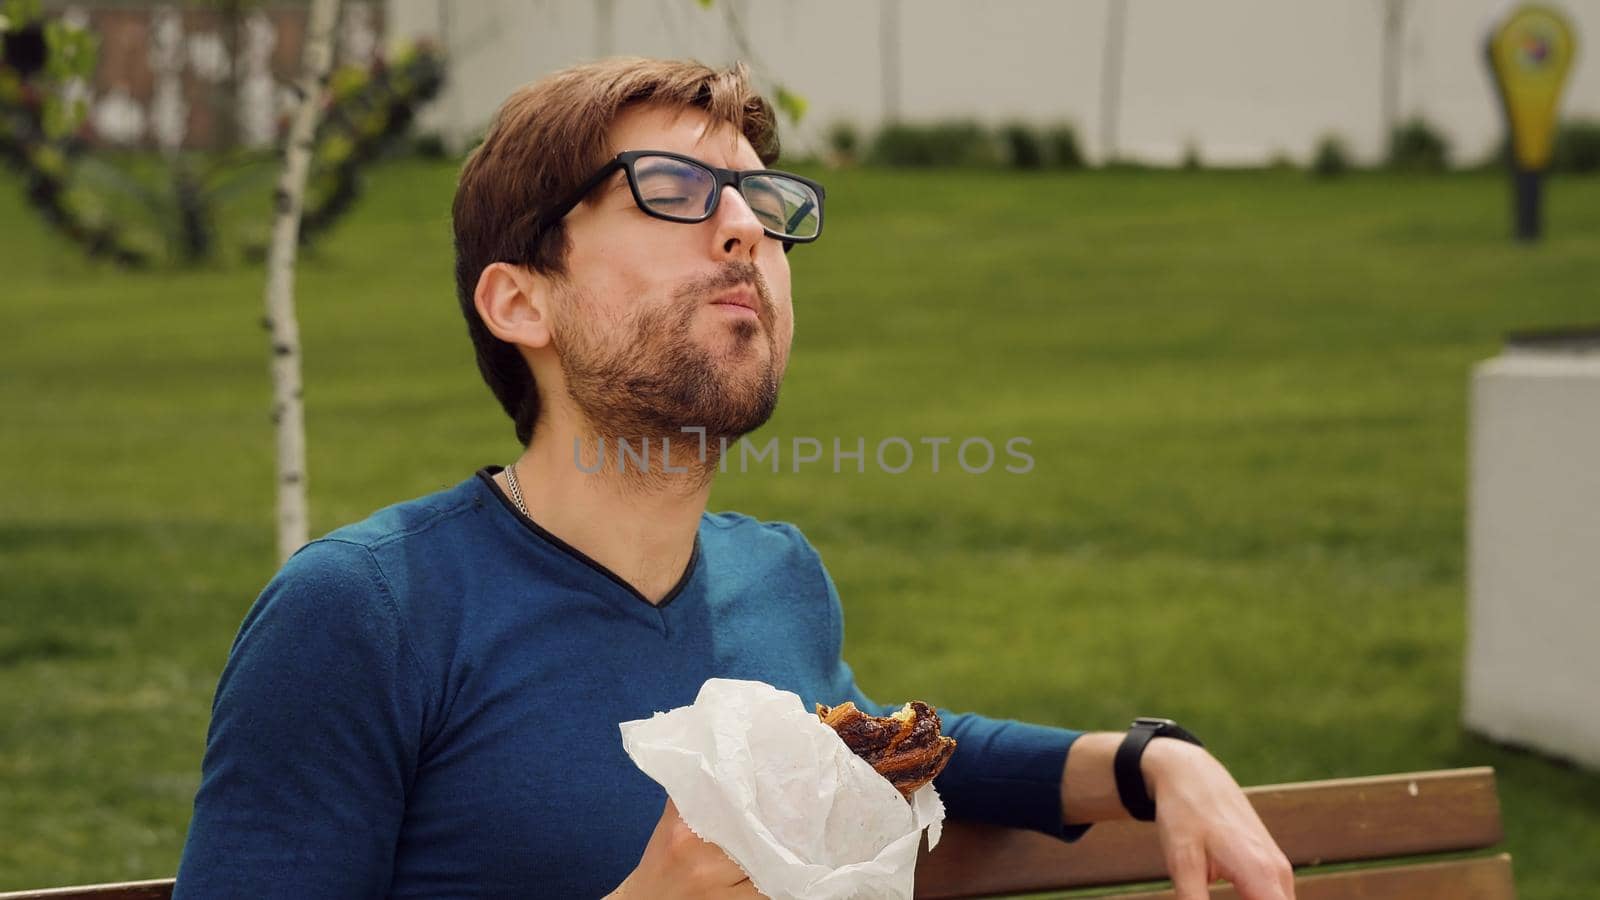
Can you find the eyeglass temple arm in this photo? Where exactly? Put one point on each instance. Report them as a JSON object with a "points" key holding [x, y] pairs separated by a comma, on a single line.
{"points": [[800, 213], [583, 190]]}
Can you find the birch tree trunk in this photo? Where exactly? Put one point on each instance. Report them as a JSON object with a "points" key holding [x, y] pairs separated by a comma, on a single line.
{"points": [[288, 413]]}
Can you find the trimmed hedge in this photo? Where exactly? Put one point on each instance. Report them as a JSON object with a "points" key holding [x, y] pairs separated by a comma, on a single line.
{"points": [[965, 143], [1417, 146]]}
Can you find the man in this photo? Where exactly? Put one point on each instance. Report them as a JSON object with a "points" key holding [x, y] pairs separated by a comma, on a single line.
{"points": [[425, 703]]}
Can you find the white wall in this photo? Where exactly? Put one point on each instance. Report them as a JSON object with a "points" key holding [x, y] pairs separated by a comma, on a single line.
{"points": [[1241, 80]]}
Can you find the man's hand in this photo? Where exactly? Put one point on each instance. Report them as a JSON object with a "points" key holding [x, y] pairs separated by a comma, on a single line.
{"points": [[1208, 828], [678, 864]]}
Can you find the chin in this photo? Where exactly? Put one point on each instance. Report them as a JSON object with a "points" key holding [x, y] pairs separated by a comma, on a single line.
{"points": [[739, 341]]}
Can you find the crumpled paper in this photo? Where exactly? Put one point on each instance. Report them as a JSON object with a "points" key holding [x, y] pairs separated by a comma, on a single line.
{"points": [[754, 772]]}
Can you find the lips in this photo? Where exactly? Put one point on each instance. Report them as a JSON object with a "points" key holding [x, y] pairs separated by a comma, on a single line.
{"points": [[740, 297]]}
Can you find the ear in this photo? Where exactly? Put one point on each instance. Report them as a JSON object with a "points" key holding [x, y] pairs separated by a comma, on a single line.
{"points": [[514, 304]]}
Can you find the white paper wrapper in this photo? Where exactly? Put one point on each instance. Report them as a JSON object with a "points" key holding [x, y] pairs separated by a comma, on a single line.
{"points": [[756, 773]]}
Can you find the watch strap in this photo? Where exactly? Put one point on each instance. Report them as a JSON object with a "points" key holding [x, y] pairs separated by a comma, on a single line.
{"points": [[1131, 787]]}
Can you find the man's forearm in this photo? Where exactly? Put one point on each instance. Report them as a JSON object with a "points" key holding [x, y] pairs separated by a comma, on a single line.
{"points": [[1089, 783], [1088, 786]]}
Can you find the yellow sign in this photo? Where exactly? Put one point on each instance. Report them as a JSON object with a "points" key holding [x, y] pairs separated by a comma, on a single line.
{"points": [[1530, 53]]}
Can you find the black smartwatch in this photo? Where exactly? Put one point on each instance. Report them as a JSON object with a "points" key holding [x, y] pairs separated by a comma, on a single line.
{"points": [[1130, 778]]}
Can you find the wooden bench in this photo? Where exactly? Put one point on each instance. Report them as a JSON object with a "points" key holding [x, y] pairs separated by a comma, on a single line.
{"points": [[1374, 821], [1382, 823]]}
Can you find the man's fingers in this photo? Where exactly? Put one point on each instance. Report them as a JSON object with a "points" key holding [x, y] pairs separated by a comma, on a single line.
{"points": [[1271, 880], [1285, 874], [1186, 863], [742, 891]]}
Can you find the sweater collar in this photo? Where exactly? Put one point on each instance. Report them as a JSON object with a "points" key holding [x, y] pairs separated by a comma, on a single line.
{"points": [[486, 476]]}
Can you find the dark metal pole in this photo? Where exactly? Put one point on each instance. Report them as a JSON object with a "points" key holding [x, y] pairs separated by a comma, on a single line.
{"points": [[889, 57], [604, 27], [1527, 189], [1394, 18], [1111, 80]]}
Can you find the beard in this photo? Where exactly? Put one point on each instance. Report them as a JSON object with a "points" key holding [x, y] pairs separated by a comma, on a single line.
{"points": [[657, 379]]}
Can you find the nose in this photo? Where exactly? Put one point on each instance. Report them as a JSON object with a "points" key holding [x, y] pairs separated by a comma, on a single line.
{"points": [[738, 231]]}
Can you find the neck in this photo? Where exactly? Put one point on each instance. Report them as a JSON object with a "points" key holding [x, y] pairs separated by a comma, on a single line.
{"points": [[629, 509]]}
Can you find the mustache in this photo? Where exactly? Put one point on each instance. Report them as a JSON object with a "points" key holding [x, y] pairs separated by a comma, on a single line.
{"points": [[730, 275]]}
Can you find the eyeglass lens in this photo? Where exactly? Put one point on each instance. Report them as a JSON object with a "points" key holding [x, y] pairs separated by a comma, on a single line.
{"points": [[673, 187]]}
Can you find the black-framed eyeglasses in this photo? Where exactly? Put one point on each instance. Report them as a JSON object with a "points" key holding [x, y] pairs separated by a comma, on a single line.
{"points": [[680, 188]]}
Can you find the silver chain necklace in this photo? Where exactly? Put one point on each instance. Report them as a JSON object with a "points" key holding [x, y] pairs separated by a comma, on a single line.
{"points": [[516, 491]]}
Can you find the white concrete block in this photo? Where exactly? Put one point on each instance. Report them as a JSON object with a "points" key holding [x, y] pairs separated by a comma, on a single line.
{"points": [[1533, 632]]}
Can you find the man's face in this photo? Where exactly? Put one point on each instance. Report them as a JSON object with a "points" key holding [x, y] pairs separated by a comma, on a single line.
{"points": [[653, 324]]}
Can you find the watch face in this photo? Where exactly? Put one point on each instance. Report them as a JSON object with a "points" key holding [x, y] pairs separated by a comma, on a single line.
{"points": [[1166, 728]]}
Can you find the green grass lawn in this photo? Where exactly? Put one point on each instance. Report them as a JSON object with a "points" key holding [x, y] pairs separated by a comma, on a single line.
{"points": [[1246, 397]]}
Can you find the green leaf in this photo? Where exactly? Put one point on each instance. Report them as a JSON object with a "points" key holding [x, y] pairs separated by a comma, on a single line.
{"points": [[335, 149], [57, 121], [791, 104], [347, 82], [90, 209], [704, 4], [50, 161], [21, 12], [72, 51], [372, 124]]}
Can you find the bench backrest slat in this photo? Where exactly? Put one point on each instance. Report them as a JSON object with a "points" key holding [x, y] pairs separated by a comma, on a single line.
{"points": [[1315, 822], [1485, 878], [158, 889]]}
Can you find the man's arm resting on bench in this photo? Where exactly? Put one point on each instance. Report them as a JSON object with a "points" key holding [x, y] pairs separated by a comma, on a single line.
{"points": [[1207, 826]]}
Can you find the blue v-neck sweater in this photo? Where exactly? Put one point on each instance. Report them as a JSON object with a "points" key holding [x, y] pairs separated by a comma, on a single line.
{"points": [[425, 704]]}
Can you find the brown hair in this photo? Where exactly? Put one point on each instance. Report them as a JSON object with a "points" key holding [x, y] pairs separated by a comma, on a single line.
{"points": [[545, 141]]}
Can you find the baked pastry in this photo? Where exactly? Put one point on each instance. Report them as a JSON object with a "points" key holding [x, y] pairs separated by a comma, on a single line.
{"points": [[905, 747]]}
